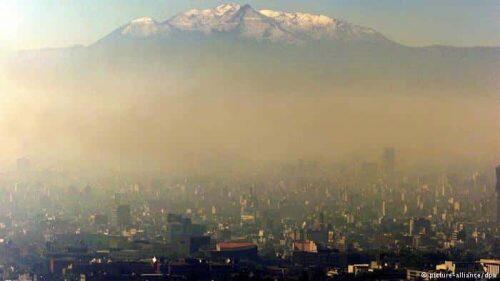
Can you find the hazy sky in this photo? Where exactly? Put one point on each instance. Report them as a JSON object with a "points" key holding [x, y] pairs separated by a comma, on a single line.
{"points": [[54, 23]]}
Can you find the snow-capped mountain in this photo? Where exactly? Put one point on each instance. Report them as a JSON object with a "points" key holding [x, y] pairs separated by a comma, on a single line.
{"points": [[234, 42], [243, 21], [231, 18], [143, 27], [320, 27]]}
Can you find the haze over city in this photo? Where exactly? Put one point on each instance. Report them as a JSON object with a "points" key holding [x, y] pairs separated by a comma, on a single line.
{"points": [[269, 140]]}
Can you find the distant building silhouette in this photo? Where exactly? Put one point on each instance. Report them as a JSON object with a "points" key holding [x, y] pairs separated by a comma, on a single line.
{"points": [[388, 160], [123, 217], [23, 165], [498, 192]]}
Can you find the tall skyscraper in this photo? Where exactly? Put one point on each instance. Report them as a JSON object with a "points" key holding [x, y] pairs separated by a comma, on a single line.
{"points": [[498, 193], [123, 217], [383, 208]]}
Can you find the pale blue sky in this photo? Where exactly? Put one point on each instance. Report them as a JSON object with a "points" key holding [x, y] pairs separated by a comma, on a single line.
{"points": [[26, 24]]}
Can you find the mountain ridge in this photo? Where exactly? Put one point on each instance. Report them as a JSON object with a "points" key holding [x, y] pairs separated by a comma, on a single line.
{"points": [[284, 50], [242, 21]]}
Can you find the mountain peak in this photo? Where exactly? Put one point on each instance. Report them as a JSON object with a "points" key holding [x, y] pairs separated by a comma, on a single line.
{"points": [[225, 8], [143, 20], [141, 27], [205, 21]]}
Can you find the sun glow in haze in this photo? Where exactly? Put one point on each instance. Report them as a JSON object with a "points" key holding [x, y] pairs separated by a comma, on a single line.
{"points": [[9, 23]]}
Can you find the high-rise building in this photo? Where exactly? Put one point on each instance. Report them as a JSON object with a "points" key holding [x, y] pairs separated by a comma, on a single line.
{"points": [[123, 217], [497, 170], [184, 236], [383, 208]]}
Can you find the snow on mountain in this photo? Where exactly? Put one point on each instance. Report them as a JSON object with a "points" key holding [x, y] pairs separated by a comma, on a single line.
{"points": [[245, 22], [206, 21], [301, 21], [319, 26], [142, 27], [254, 25], [231, 18]]}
